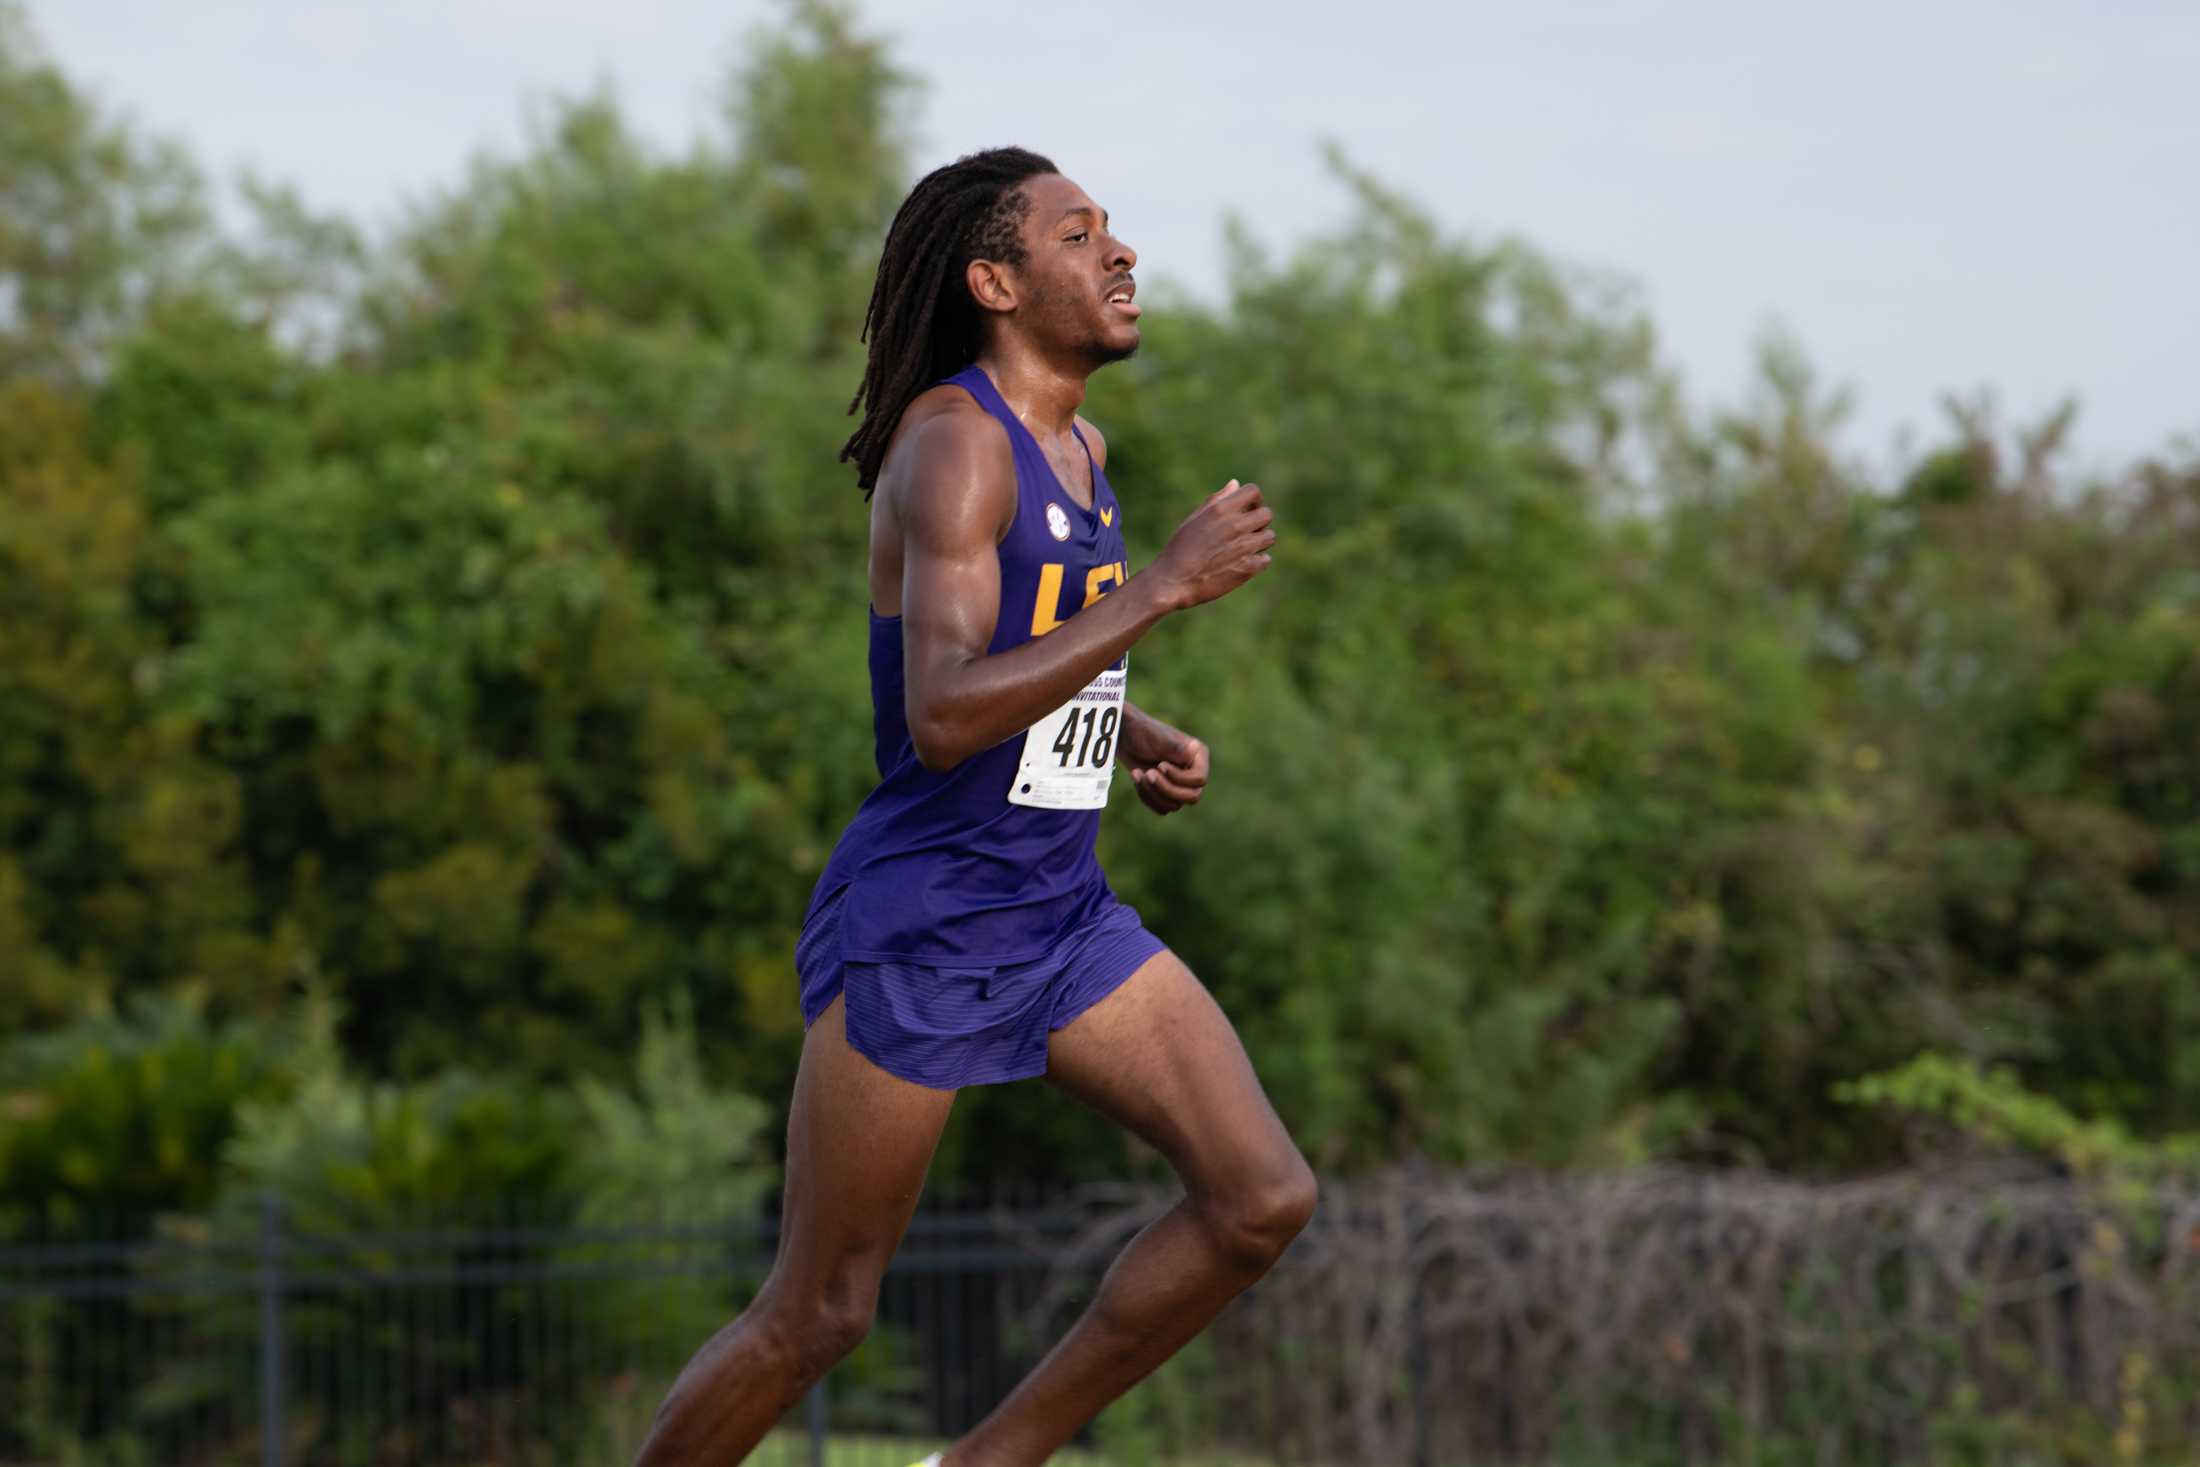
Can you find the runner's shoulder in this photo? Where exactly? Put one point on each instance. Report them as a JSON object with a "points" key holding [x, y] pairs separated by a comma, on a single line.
{"points": [[944, 428], [1095, 440], [952, 458]]}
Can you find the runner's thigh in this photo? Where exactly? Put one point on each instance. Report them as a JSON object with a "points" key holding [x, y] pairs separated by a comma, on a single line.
{"points": [[1159, 1057], [859, 1141]]}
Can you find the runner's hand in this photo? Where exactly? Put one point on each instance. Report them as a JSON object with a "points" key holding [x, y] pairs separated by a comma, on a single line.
{"points": [[1222, 545], [1168, 767]]}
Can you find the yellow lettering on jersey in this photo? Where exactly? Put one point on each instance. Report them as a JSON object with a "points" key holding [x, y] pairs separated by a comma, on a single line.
{"points": [[1050, 599], [1101, 577]]}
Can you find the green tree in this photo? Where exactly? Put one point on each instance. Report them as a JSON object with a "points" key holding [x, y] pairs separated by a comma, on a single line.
{"points": [[469, 622], [94, 218]]}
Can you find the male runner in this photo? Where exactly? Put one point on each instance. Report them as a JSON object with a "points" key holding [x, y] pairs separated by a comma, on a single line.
{"points": [[963, 933]]}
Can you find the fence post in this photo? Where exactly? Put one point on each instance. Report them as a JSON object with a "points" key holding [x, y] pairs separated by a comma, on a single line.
{"points": [[1417, 1361], [273, 1422], [818, 1427]]}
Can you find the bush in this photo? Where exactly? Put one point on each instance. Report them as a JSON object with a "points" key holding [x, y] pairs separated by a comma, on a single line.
{"points": [[497, 1200], [123, 1116], [478, 1198]]}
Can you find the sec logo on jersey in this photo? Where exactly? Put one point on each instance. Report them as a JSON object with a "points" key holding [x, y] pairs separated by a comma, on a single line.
{"points": [[1057, 522]]}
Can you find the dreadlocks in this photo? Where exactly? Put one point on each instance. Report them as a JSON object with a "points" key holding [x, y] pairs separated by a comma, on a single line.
{"points": [[922, 324]]}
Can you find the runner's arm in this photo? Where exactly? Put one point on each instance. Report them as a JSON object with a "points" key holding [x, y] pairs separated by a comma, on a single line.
{"points": [[1169, 768], [959, 700]]}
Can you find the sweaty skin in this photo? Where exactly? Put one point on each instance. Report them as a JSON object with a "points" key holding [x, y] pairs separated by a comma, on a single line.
{"points": [[947, 494], [1156, 1055], [946, 497]]}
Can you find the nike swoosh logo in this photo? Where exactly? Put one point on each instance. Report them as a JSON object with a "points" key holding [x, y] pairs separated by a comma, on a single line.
{"points": [[1107, 516]]}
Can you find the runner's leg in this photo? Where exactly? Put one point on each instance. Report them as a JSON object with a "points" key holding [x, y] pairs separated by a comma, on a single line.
{"points": [[1159, 1056], [858, 1143]]}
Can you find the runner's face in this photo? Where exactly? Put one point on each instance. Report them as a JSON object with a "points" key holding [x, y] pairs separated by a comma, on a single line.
{"points": [[1077, 274]]}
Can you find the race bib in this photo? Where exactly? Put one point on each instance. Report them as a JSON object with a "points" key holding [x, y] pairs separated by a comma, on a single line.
{"points": [[1069, 755]]}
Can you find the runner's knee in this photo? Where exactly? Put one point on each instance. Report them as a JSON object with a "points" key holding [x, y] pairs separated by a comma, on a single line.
{"points": [[1256, 1220], [840, 1325], [815, 1328]]}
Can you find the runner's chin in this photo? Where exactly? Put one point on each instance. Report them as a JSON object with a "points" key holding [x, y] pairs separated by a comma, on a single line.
{"points": [[1115, 345]]}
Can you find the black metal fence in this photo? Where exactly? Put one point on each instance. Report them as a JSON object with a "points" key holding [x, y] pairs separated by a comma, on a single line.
{"points": [[1657, 1318], [490, 1341]]}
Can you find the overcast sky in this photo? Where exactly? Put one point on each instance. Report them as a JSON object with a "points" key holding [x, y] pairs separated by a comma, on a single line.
{"points": [[1934, 194]]}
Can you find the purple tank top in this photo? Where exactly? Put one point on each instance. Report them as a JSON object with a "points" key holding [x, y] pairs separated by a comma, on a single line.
{"points": [[939, 868]]}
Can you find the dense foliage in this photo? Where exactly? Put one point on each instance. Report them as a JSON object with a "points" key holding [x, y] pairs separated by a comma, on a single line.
{"points": [[468, 623]]}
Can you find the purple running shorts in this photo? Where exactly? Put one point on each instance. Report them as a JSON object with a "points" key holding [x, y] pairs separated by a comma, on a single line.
{"points": [[949, 1027]]}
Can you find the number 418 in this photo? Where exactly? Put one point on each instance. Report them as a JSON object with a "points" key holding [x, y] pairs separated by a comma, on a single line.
{"points": [[1093, 751]]}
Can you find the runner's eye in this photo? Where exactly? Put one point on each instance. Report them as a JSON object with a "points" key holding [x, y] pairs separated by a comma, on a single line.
{"points": [[1077, 238]]}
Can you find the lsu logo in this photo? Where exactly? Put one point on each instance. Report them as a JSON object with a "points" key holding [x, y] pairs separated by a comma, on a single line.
{"points": [[1057, 522], [1097, 582]]}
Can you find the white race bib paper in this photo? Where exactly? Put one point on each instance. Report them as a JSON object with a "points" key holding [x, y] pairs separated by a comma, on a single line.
{"points": [[1069, 755]]}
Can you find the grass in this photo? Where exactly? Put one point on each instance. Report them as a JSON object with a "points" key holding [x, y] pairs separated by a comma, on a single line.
{"points": [[792, 1449]]}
